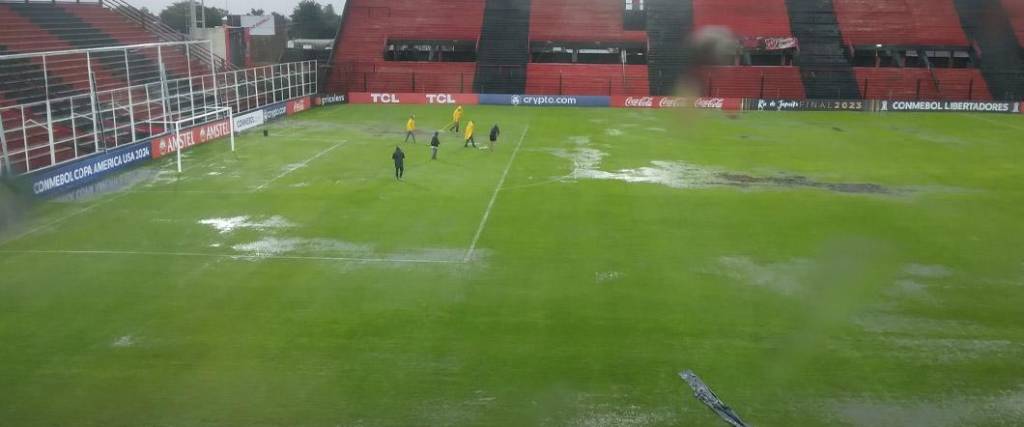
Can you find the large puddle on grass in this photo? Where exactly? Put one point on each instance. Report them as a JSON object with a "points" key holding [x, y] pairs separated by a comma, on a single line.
{"points": [[587, 165], [227, 225], [329, 248], [1003, 409]]}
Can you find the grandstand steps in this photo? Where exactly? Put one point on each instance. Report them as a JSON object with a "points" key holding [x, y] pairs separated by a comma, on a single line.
{"points": [[1002, 63], [504, 47], [824, 66], [668, 24], [81, 35]]}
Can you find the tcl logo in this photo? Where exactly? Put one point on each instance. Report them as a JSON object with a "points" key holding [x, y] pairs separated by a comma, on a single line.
{"points": [[440, 98], [643, 102], [385, 98]]}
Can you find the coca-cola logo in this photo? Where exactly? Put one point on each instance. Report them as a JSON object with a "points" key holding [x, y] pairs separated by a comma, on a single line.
{"points": [[641, 102], [716, 103], [672, 102]]}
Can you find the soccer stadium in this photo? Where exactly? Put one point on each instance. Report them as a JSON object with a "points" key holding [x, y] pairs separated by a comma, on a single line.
{"points": [[512, 213]]}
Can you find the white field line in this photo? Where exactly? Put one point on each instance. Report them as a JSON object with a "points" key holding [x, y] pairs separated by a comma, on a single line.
{"points": [[230, 256], [995, 122], [36, 229], [301, 165], [494, 197]]}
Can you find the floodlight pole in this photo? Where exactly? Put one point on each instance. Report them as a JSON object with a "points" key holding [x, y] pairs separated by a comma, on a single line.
{"points": [[177, 143]]}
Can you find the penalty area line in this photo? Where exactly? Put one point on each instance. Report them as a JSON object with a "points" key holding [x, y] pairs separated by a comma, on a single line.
{"points": [[494, 197], [59, 220], [235, 256], [300, 166]]}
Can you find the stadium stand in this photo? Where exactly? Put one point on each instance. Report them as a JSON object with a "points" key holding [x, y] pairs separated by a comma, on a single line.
{"points": [[27, 28], [990, 27], [1015, 11], [587, 79], [753, 82], [902, 22], [750, 18], [358, 62], [922, 83], [556, 21]]}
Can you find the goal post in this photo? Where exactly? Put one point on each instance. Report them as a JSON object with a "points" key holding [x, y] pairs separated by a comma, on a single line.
{"points": [[204, 117]]}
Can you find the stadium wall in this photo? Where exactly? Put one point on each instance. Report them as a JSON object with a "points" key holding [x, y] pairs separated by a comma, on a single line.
{"points": [[727, 104]]}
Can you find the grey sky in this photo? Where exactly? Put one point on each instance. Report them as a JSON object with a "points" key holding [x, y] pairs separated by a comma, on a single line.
{"points": [[283, 7]]}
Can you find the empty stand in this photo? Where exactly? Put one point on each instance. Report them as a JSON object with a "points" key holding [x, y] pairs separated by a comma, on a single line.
{"points": [[986, 22], [1015, 11], [753, 82], [580, 20], [900, 22], [358, 61], [587, 79], [749, 18]]}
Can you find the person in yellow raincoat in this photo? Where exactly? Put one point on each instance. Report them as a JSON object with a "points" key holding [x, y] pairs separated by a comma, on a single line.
{"points": [[410, 129], [470, 128], [456, 120]]}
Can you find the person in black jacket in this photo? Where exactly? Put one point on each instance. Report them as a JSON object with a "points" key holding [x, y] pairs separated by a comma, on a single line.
{"points": [[495, 132], [435, 143], [399, 157]]}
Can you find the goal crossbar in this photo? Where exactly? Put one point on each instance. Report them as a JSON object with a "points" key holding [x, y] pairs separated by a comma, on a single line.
{"points": [[207, 112]]}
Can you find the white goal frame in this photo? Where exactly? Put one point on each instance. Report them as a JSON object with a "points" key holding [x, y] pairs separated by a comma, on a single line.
{"points": [[208, 112]]}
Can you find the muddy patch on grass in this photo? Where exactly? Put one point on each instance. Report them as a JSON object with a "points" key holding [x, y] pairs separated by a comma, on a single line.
{"points": [[587, 165], [799, 181]]}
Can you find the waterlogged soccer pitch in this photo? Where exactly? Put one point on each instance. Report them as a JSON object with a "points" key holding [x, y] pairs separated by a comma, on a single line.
{"points": [[815, 269]]}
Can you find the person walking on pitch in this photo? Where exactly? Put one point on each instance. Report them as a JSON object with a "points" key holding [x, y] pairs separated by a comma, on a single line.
{"points": [[410, 129], [495, 132], [399, 157], [456, 120], [470, 128], [435, 144]]}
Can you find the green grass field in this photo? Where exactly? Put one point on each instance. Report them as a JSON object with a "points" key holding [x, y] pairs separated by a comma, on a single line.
{"points": [[816, 269]]}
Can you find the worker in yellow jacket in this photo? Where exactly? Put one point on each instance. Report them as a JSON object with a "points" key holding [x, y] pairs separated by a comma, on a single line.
{"points": [[410, 129], [470, 128], [456, 120]]}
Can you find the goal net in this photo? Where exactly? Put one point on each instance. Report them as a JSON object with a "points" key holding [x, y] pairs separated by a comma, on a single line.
{"points": [[185, 128]]}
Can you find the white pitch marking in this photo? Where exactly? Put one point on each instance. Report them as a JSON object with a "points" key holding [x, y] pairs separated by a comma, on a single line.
{"points": [[494, 197], [988, 120], [63, 218], [301, 165], [239, 256]]}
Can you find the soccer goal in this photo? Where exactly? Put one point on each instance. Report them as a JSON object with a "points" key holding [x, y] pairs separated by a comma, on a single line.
{"points": [[207, 115]]}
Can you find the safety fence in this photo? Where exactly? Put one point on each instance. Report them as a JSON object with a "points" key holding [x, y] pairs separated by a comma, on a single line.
{"points": [[63, 106]]}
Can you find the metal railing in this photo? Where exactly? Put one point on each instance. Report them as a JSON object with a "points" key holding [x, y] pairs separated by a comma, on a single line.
{"points": [[73, 115]]}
